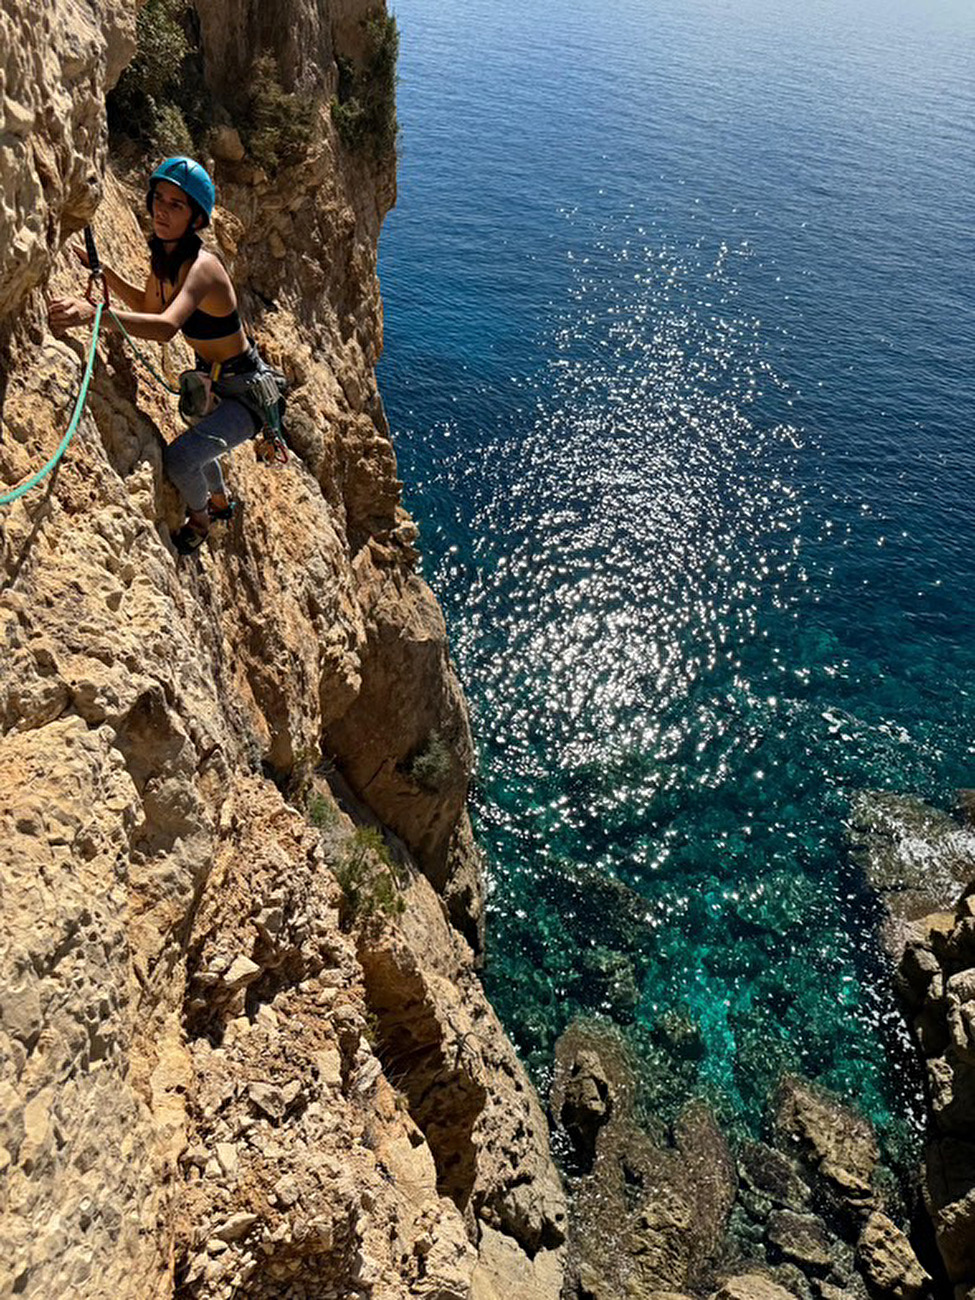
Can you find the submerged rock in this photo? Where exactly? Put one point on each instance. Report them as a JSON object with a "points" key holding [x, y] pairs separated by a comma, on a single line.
{"points": [[772, 1174], [752, 1286], [801, 1239], [914, 855], [649, 1214]]}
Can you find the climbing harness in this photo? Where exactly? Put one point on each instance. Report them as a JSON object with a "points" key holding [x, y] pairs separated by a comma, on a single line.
{"points": [[247, 379]]}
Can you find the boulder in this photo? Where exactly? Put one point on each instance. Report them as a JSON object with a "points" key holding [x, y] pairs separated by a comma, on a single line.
{"points": [[587, 1105], [751, 1286], [504, 1272], [951, 1084], [830, 1137], [887, 1260]]}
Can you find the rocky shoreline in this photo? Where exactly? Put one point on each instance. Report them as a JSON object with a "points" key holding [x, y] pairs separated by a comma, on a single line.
{"points": [[810, 1211], [802, 1214]]}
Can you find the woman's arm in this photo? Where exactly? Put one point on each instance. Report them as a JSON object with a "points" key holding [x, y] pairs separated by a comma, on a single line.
{"points": [[158, 326], [130, 294]]}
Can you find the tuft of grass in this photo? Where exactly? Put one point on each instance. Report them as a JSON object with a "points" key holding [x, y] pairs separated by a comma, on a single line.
{"points": [[432, 764], [277, 126], [322, 813], [364, 111], [368, 880]]}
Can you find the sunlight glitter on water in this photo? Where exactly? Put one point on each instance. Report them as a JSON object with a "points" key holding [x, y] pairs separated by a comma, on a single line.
{"points": [[629, 605], [659, 561]]}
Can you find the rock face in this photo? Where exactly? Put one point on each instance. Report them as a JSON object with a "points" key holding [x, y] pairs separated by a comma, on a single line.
{"points": [[936, 981], [213, 1080], [54, 139]]}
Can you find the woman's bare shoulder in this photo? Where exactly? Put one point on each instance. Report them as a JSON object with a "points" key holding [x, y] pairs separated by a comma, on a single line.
{"points": [[211, 265]]}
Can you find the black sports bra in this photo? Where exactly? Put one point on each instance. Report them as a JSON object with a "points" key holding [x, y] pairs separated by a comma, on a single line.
{"points": [[201, 325]]}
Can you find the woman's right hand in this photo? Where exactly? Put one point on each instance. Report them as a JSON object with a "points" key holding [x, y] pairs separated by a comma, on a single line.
{"points": [[81, 253]]}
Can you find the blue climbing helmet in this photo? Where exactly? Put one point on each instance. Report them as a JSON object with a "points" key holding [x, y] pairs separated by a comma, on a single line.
{"points": [[191, 177]]}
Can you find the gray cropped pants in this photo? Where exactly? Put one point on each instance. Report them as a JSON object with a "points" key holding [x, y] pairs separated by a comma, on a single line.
{"points": [[192, 461]]}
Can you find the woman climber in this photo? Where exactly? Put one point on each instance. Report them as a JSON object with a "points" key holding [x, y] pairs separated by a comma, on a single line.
{"points": [[189, 289]]}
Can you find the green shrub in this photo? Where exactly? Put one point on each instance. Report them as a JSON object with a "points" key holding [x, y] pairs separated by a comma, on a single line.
{"points": [[432, 765], [364, 111], [368, 878], [170, 134], [277, 126], [322, 813], [162, 46], [160, 98]]}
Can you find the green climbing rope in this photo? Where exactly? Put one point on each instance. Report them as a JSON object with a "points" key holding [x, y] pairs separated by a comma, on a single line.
{"points": [[79, 406], [13, 495], [145, 361]]}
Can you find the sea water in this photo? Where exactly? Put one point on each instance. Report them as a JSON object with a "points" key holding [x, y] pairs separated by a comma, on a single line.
{"points": [[679, 344]]}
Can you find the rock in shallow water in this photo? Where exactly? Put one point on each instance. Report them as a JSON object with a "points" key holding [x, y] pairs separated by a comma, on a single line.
{"points": [[888, 1261], [772, 1174], [832, 1139], [801, 1238], [649, 1215], [752, 1286]]}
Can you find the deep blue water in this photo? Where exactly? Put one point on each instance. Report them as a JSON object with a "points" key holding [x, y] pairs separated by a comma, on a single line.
{"points": [[679, 339]]}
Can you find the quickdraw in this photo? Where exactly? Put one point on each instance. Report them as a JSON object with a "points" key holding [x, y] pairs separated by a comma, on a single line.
{"points": [[270, 449], [97, 275]]}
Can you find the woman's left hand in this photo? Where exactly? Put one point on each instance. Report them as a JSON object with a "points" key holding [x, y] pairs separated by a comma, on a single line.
{"points": [[64, 313]]}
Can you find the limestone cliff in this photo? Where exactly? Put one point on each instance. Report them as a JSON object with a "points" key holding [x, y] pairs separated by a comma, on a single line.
{"points": [[215, 1078]]}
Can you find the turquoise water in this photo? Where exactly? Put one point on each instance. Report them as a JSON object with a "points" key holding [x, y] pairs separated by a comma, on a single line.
{"points": [[679, 334]]}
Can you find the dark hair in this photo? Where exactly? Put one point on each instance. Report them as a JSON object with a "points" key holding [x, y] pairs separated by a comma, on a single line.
{"points": [[167, 263]]}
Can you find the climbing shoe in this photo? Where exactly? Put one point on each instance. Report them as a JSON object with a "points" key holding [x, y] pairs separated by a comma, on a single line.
{"points": [[188, 539]]}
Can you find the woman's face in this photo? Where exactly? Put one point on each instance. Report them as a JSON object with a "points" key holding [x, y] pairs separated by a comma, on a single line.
{"points": [[171, 212]]}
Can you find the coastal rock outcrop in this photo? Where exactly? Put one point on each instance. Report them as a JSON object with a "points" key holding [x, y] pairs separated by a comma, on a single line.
{"points": [[218, 1075], [936, 979], [930, 858], [660, 1210]]}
